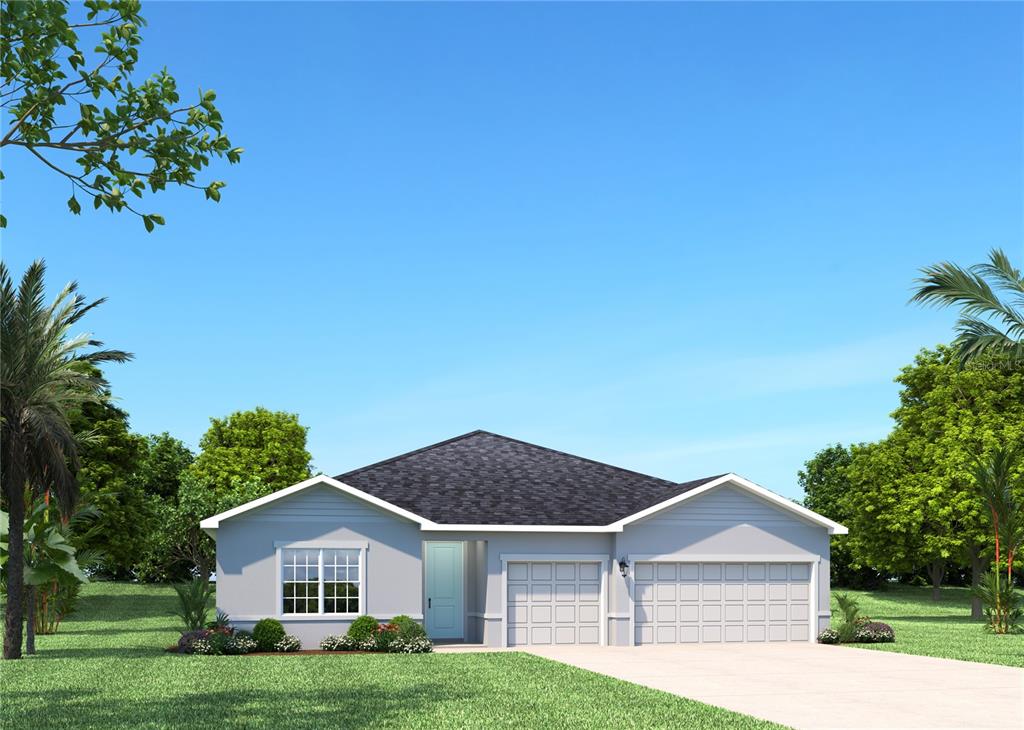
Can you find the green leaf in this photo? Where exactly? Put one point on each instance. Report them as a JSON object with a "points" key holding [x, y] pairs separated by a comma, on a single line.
{"points": [[158, 219], [147, 220], [74, 206]]}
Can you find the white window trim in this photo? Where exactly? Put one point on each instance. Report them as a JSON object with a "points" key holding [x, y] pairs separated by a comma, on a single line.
{"points": [[319, 545]]}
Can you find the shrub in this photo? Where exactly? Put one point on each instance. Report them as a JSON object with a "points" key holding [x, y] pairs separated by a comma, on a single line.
{"points": [[241, 642], [192, 600], [288, 643], [408, 628], [267, 632], [874, 632], [851, 614], [385, 636], [220, 621], [363, 628], [186, 644], [418, 645], [202, 646], [333, 643], [218, 641], [828, 636]]}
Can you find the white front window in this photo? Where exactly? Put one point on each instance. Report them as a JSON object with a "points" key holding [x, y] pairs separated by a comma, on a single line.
{"points": [[321, 580]]}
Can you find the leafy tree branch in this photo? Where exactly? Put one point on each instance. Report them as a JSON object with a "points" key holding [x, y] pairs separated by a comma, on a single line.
{"points": [[110, 136]]}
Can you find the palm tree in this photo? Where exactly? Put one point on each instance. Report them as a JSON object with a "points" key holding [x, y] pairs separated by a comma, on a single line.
{"points": [[44, 372], [989, 323]]}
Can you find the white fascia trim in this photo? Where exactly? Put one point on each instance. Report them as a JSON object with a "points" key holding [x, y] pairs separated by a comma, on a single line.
{"points": [[834, 528], [212, 523], [438, 527]]}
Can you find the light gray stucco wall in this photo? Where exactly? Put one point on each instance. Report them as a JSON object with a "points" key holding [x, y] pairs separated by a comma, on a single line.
{"points": [[247, 564]]}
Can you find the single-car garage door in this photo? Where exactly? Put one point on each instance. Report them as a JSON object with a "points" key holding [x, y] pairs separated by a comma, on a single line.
{"points": [[721, 602], [554, 603]]}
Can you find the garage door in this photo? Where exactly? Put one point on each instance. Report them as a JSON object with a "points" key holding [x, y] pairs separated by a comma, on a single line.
{"points": [[721, 602], [554, 603]]}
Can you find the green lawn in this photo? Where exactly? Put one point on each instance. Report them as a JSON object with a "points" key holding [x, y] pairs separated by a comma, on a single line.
{"points": [[936, 628], [107, 668]]}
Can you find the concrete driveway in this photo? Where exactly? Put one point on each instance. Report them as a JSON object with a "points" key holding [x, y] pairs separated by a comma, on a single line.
{"points": [[815, 686]]}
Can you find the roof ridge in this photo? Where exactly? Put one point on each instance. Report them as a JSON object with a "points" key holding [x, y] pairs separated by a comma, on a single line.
{"points": [[420, 450], [576, 456]]}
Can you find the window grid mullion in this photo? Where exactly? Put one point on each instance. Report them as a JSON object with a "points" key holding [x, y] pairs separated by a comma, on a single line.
{"points": [[320, 577]]}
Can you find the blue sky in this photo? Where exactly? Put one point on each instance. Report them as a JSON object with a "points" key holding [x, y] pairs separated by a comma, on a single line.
{"points": [[676, 237]]}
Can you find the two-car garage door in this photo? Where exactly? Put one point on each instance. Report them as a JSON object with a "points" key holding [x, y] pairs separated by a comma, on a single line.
{"points": [[721, 602]]}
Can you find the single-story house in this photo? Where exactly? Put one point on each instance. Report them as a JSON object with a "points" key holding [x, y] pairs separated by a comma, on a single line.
{"points": [[487, 539]]}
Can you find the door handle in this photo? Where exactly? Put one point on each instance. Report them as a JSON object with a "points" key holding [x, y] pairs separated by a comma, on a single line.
{"points": [[428, 603]]}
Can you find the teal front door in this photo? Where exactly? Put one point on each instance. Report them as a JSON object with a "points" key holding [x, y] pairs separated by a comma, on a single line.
{"points": [[445, 617]]}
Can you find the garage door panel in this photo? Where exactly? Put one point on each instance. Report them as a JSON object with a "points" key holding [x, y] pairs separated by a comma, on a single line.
{"points": [[540, 614], [565, 614], [553, 602], [665, 592], [519, 614], [540, 592], [565, 634], [721, 602], [540, 571], [589, 614], [565, 571], [565, 592]]}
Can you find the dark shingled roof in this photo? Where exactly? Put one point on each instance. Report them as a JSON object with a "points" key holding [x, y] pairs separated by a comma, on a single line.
{"points": [[486, 479]]}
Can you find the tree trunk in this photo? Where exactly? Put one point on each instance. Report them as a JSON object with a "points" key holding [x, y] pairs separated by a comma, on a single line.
{"points": [[14, 613], [30, 620], [977, 570], [936, 569]]}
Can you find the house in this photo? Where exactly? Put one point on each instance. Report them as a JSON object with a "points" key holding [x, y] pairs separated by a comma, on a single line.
{"points": [[491, 540]]}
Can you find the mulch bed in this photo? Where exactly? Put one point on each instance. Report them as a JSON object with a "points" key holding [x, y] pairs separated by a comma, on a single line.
{"points": [[174, 650]]}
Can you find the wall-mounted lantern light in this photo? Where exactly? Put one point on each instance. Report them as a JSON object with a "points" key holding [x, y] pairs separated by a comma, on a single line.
{"points": [[623, 567]]}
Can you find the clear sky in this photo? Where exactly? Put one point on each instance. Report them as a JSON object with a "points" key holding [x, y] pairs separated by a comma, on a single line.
{"points": [[679, 238]]}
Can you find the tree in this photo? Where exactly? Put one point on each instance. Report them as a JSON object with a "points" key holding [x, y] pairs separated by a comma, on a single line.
{"points": [[77, 106], [913, 503], [44, 374], [110, 455], [988, 324], [827, 491], [179, 548], [994, 479], [258, 445], [160, 470]]}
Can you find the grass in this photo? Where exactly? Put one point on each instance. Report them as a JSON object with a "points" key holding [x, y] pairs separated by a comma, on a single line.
{"points": [[107, 668], [940, 628]]}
